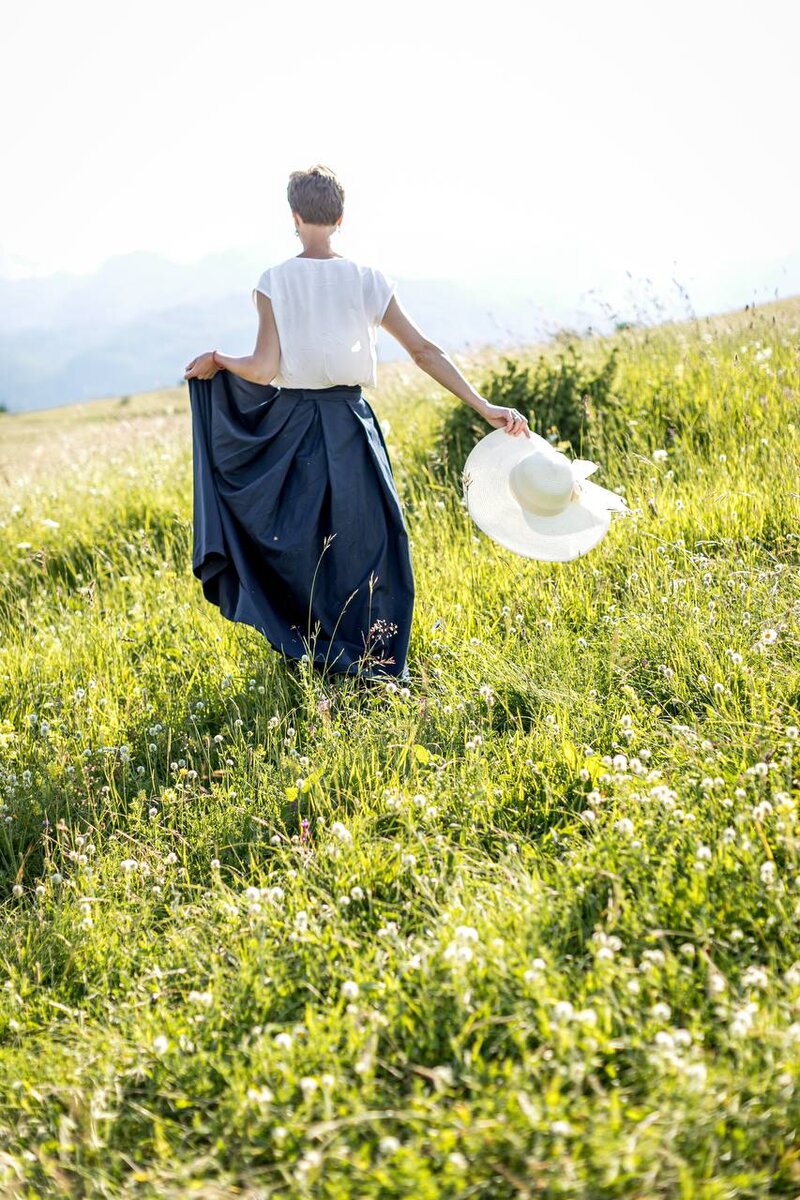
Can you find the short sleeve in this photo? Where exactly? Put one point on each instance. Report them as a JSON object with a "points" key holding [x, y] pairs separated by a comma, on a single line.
{"points": [[378, 291], [264, 285]]}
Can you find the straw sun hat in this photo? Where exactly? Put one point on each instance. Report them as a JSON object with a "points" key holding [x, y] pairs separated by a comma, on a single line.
{"points": [[534, 500]]}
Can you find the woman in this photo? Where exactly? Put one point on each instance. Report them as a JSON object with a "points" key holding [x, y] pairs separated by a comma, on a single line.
{"points": [[298, 528]]}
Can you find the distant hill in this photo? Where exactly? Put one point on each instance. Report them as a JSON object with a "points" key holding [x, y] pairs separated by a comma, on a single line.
{"points": [[132, 325]]}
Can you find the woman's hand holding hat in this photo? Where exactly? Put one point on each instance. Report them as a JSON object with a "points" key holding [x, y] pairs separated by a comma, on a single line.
{"points": [[510, 419]]}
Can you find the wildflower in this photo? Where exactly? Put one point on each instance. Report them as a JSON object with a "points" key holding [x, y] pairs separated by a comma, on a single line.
{"points": [[742, 1022], [204, 998], [350, 989], [563, 1010], [769, 636], [695, 1074], [659, 455], [755, 977], [466, 933], [460, 950], [341, 832], [561, 1128]]}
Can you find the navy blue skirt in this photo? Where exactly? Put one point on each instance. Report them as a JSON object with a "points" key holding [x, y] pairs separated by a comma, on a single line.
{"points": [[298, 528]]}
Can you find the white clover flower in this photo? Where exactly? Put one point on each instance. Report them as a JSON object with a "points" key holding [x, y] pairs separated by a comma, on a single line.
{"points": [[755, 977], [792, 975], [659, 455], [767, 872], [624, 826], [283, 1041], [466, 933], [350, 989], [458, 952], [388, 1145], [341, 832], [716, 983], [743, 1018], [695, 1074], [160, 1044]]}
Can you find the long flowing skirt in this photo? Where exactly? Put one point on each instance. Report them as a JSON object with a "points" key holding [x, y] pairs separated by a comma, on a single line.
{"points": [[298, 528]]}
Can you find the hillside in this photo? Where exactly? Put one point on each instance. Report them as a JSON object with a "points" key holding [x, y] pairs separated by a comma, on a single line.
{"points": [[526, 928]]}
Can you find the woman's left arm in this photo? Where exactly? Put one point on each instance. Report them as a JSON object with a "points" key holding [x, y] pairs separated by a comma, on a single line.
{"points": [[259, 367]]}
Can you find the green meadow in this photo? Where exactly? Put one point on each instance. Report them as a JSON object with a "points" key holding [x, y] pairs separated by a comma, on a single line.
{"points": [[525, 928]]}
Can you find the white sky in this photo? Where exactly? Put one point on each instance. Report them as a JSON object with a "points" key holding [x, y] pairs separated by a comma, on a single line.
{"points": [[471, 137]]}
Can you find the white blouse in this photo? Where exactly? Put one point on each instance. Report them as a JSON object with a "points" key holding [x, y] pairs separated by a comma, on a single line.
{"points": [[327, 311]]}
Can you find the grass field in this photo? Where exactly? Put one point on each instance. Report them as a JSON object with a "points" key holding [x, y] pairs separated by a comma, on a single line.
{"points": [[526, 928]]}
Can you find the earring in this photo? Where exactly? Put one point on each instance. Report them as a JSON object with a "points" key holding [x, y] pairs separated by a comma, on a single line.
{"points": [[296, 232]]}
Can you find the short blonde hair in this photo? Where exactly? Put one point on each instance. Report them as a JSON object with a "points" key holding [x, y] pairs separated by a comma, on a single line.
{"points": [[316, 194]]}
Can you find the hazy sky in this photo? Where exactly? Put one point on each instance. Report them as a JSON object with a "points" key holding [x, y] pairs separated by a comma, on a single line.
{"points": [[470, 137]]}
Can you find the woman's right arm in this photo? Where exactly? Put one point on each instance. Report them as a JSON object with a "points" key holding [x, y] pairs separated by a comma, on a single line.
{"points": [[262, 365], [434, 361]]}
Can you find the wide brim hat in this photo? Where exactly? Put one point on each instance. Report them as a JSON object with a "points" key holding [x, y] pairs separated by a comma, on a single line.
{"points": [[532, 499]]}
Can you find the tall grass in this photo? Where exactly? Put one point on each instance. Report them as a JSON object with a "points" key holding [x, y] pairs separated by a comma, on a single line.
{"points": [[526, 928]]}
